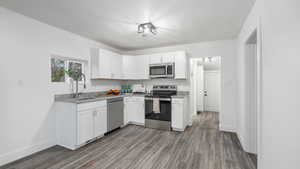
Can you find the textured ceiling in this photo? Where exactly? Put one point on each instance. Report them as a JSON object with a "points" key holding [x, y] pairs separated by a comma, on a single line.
{"points": [[114, 22]]}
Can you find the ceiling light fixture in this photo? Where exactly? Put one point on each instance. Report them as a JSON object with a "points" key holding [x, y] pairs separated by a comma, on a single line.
{"points": [[147, 28]]}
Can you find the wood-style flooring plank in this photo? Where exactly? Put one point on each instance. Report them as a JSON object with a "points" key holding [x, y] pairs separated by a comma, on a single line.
{"points": [[201, 146]]}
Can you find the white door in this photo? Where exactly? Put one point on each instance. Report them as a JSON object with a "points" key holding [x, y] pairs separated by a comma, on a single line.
{"points": [[100, 121], [211, 91], [85, 126], [199, 74]]}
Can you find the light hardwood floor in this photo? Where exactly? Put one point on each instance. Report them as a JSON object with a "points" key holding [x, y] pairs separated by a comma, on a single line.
{"points": [[201, 146]]}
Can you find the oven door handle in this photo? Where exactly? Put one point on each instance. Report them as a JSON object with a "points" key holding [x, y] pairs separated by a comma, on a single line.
{"points": [[160, 99]]}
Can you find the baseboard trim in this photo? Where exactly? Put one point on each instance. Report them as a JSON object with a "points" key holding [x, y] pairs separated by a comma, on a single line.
{"points": [[227, 128], [26, 151]]}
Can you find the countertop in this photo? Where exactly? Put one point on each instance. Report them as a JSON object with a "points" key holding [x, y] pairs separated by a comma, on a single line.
{"points": [[92, 97]]}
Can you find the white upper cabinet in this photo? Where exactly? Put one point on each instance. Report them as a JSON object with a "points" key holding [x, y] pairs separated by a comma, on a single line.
{"points": [[161, 58], [105, 64], [135, 67], [181, 65], [116, 66], [155, 58], [110, 65], [178, 58], [168, 57]]}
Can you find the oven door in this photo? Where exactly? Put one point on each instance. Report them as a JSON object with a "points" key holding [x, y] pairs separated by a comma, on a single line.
{"points": [[164, 107], [158, 71], [158, 120]]}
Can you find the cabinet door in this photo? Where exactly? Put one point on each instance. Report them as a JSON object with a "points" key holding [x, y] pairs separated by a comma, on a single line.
{"points": [[168, 58], [126, 111], [100, 121], [94, 63], [141, 67], [180, 65], [116, 66], [104, 63], [155, 58], [134, 110], [129, 67], [140, 112], [177, 114], [136, 67], [85, 126], [129, 112]]}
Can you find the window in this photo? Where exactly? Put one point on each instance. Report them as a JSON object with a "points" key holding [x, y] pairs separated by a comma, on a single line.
{"points": [[57, 70], [75, 66], [60, 64]]}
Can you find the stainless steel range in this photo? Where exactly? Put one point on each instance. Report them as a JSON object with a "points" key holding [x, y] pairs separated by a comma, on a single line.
{"points": [[158, 107]]}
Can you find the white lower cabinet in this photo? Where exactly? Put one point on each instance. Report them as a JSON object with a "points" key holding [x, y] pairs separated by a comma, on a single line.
{"points": [[76, 124], [179, 110], [134, 110]]}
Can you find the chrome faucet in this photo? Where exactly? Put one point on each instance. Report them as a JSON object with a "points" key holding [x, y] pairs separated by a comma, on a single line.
{"points": [[76, 94]]}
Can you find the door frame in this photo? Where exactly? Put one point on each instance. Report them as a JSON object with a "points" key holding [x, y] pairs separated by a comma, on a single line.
{"points": [[192, 98], [258, 97]]}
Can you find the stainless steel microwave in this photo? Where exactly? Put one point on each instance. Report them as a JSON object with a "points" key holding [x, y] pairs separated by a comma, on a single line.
{"points": [[164, 70]]}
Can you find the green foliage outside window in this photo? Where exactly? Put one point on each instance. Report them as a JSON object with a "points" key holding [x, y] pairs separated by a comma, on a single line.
{"points": [[57, 70]]}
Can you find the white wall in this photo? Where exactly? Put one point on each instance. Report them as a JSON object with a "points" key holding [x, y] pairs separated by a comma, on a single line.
{"points": [[227, 50], [26, 94], [279, 116], [281, 84]]}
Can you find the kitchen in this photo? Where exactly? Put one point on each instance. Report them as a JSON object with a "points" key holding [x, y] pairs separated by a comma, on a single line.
{"points": [[95, 114], [114, 84]]}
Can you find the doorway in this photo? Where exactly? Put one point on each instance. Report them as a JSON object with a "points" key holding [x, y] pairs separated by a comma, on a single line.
{"points": [[205, 84]]}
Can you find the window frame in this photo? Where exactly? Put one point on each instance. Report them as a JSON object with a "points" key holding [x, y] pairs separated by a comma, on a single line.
{"points": [[67, 60]]}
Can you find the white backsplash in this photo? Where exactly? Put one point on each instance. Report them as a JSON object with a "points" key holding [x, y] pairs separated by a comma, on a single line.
{"points": [[182, 85]]}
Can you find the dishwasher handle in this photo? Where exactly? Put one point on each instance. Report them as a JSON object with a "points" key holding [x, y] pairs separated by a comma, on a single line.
{"points": [[112, 100]]}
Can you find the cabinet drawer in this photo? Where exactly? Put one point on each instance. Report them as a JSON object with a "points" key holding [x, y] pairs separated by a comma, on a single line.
{"points": [[177, 101], [134, 99], [91, 105], [138, 99], [128, 99]]}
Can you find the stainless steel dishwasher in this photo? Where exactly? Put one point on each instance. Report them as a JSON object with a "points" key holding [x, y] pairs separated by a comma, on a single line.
{"points": [[115, 115]]}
